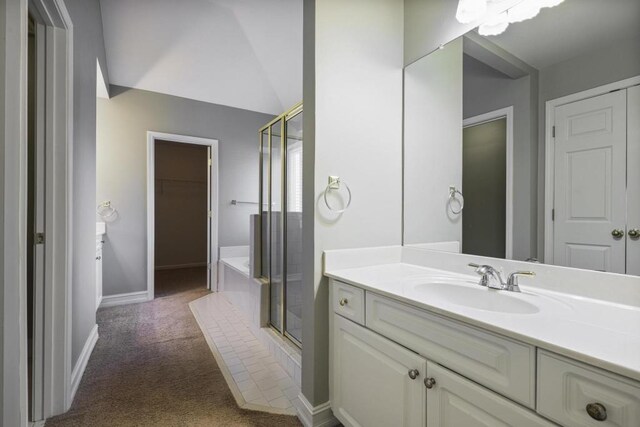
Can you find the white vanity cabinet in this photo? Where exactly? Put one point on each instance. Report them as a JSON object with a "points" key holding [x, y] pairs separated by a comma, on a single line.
{"points": [[393, 364], [375, 382]]}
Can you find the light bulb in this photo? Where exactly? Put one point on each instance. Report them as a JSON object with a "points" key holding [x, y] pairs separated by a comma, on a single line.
{"points": [[549, 3], [524, 10], [470, 10], [494, 25]]}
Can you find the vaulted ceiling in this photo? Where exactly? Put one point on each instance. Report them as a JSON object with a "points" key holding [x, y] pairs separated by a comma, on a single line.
{"points": [[241, 53]]}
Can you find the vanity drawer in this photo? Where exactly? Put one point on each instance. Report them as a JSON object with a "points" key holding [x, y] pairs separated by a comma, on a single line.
{"points": [[348, 301], [565, 388], [498, 363]]}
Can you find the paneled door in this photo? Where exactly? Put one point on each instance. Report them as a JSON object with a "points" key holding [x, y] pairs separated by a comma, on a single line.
{"points": [[590, 183], [633, 181]]}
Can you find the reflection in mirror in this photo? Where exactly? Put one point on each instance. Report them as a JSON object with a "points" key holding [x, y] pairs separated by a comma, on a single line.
{"points": [[539, 130]]}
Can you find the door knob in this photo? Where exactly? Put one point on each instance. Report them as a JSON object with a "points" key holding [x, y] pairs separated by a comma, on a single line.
{"points": [[413, 374], [597, 411], [634, 233], [429, 382], [617, 233]]}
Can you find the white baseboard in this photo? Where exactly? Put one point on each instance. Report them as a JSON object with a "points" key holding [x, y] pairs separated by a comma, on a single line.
{"points": [[81, 364], [315, 416], [121, 299], [177, 266]]}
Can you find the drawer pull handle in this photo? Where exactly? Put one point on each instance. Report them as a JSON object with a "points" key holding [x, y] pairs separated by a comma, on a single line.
{"points": [[429, 382], [597, 411], [344, 301], [413, 373]]}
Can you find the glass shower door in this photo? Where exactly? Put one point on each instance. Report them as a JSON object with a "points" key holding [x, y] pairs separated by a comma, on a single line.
{"points": [[275, 226], [281, 221], [293, 228]]}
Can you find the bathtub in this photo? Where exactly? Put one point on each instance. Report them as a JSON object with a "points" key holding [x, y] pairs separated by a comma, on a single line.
{"points": [[235, 282]]}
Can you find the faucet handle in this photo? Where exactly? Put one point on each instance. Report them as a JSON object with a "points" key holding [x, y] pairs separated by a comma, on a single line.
{"points": [[481, 270], [512, 281]]}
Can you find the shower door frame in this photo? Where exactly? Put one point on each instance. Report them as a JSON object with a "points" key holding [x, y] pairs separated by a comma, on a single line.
{"points": [[284, 119]]}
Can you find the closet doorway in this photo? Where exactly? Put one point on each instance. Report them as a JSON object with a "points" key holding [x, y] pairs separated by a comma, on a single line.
{"points": [[593, 184], [182, 198]]}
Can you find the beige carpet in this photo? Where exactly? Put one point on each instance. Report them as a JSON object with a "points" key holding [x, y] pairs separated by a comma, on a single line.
{"points": [[152, 367]]}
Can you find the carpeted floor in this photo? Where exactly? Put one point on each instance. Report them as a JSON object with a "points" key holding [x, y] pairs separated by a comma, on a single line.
{"points": [[152, 367]]}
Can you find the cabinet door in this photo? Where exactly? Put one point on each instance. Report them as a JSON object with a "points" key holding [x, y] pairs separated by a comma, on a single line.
{"points": [[455, 401], [371, 384]]}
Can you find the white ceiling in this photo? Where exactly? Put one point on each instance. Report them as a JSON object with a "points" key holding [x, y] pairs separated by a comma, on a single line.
{"points": [[570, 29], [241, 53]]}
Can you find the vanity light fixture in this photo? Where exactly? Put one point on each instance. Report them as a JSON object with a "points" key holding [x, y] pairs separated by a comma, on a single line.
{"points": [[495, 23]]}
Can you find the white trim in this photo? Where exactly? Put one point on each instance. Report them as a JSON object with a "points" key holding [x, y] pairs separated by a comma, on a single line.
{"points": [[13, 202], [179, 266], [213, 194], [315, 416], [58, 113], [549, 151], [83, 359], [489, 117], [122, 299]]}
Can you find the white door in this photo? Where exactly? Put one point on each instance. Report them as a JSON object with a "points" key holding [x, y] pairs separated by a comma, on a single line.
{"points": [[453, 400], [372, 382], [589, 188], [633, 181]]}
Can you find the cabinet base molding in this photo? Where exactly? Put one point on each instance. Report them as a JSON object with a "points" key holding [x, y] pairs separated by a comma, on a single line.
{"points": [[315, 416]]}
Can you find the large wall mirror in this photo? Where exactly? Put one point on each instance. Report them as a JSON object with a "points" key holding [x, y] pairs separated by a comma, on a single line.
{"points": [[526, 144]]}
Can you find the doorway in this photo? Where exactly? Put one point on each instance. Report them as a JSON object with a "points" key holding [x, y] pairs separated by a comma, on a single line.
{"points": [[593, 147], [487, 176], [182, 199]]}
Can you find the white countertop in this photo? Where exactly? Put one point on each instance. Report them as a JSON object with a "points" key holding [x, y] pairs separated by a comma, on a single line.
{"points": [[600, 333]]}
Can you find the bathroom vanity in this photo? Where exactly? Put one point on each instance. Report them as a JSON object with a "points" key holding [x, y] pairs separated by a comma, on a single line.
{"points": [[415, 345]]}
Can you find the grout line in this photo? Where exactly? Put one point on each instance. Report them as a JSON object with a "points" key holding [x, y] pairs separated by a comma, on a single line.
{"points": [[228, 376]]}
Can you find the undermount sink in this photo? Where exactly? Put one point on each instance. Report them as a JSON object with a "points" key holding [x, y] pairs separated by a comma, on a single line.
{"points": [[479, 298]]}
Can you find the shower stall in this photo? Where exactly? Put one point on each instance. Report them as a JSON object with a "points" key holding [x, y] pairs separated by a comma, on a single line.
{"points": [[281, 220]]}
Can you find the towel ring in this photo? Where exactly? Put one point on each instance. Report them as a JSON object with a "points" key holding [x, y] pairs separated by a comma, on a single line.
{"points": [[105, 210], [334, 184], [452, 197]]}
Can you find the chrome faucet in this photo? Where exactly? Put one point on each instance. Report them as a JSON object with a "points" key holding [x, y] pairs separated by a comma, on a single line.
{"points": [[491, 278]]}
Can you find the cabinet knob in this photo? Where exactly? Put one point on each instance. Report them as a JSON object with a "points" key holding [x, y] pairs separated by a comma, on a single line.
{"points": [[344, 301], [429, 382], [617, 234], [634, 233], [597, 411], [413, 373]]}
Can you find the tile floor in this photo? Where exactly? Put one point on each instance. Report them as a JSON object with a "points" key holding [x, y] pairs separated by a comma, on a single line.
{"points": [[256, 379]]}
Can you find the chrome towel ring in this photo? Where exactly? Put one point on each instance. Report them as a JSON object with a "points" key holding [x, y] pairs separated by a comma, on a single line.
{"points": [[106, 211], [453, 192], [334, 184]]}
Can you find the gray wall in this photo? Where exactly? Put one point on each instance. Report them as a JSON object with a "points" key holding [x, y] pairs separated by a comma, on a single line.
{"points": [[598, 68], [88, 44], [123, 122], [486, 90], [352, 128]]}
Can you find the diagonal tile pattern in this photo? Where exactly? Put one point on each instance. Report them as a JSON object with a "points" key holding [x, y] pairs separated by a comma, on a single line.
{"points": [[255, 377]]}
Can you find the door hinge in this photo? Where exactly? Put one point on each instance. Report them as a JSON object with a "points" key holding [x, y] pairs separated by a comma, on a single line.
{"points": [[210, 162], [553, 214], [210, 214], [39, 240], [553, 131]]}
